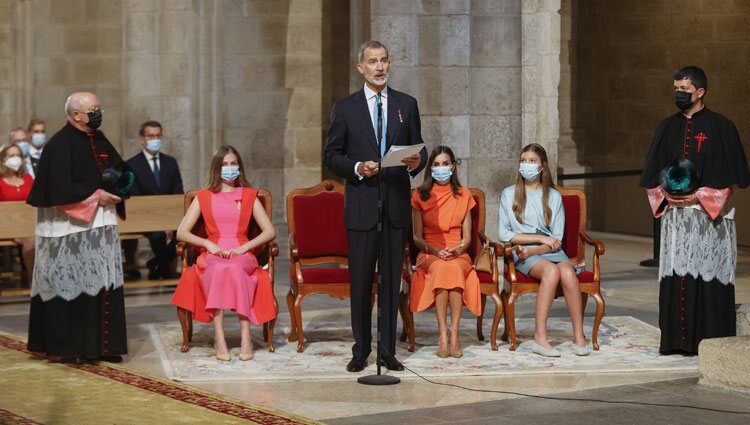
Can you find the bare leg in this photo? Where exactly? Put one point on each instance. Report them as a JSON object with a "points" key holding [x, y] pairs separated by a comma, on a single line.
{"points": [[455, 299], [219, 342], [572, 292], [441, 309], [247, 341], [549, 276]]}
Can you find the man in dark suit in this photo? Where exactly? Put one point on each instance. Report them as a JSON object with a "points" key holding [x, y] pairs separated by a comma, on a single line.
{"points": [[156, 173], [352, 151]]}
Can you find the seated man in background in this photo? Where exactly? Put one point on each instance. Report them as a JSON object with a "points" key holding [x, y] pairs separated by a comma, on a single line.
{"points": [[156, 173], [38, 132]]}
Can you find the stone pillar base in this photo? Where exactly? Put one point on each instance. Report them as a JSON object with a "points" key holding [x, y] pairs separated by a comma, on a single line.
{"points": [[725, 363]]}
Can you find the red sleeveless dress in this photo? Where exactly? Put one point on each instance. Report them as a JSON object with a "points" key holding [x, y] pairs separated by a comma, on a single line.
{"points": [[235, 283]]}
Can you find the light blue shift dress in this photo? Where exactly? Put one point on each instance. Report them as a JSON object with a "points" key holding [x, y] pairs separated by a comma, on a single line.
{"points": [[533, 223]]}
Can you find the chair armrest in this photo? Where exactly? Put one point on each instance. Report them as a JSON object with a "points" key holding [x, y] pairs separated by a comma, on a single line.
{"points": [[589, 241], [273, 249], [295, 268], [507, 250], [406, 268]]}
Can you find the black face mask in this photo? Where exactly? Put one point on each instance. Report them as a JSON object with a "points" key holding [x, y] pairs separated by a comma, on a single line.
{"points": [[95, 119], [683, 100]]}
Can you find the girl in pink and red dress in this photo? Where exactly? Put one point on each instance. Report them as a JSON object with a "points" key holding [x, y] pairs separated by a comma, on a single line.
{"points": [[226, 275]]}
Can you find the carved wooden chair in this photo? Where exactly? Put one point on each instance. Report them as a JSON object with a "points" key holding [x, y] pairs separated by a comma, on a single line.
{"points": [[488, 281], [265, 256], [574, 237], [318, 249]]}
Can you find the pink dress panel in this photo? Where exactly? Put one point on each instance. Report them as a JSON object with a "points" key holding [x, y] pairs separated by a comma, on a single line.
{"points": [[229, 282]]}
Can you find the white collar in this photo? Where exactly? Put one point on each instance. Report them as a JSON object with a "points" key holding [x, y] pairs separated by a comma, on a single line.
{"points": [[369, 93]]}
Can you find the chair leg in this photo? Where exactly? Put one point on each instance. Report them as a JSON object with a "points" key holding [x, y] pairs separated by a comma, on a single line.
{"points": [[410, 315], [404, 321], [584, 300], [510, 320], [268, 328], [480, 318], [599, 314], [496, 319], [290, 306], [298, 320], [182, 316], [504, 298]]}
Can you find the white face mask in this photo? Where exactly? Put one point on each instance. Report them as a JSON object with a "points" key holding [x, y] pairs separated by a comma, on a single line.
{"points": [[14, 163], [38, 140], [529, 171]]}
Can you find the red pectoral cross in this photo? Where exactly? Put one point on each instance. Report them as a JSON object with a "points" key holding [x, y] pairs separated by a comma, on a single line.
{"points": [[701, 137]]}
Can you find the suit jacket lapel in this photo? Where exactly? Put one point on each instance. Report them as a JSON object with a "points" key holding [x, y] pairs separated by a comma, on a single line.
{"points": [[362, 114], [393, 120]]}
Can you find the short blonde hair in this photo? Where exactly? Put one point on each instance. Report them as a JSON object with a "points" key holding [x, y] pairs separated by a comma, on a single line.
{"points": [[5, 171]]}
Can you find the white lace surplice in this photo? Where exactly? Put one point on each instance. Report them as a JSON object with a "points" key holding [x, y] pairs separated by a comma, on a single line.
{"points": [[692, 244], [75, 257]]}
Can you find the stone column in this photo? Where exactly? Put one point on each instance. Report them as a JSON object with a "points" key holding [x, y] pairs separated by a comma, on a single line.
{"points": [[462, 61], [171, 73], [541, 75]]}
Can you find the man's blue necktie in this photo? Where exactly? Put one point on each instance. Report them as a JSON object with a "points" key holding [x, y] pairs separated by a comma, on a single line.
{"points": [[379, 121]]}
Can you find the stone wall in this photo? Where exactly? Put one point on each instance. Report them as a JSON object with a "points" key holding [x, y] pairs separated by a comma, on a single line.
{"points": [[462, 61], [625, 55]]}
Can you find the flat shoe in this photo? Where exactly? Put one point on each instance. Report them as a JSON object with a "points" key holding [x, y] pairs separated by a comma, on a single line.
{"points": [[581, 351], [442, 354], [223, 357], [544, 351], [457, 354], [246, 357]]}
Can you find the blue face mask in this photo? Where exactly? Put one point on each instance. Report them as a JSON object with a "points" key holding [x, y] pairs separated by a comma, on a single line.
{"points": [[24, 146], [529, 171], [153, 145], [442, 174], [38, 139], [230, 172]]}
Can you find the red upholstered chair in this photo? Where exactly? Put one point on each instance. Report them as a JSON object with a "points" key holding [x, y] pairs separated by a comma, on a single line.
{"points": [[317, 249], [265, 256], [574, 237], [488, 282]]}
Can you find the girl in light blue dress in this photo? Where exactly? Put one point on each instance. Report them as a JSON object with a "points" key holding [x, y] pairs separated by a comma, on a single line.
{"points": [[533, 219]]}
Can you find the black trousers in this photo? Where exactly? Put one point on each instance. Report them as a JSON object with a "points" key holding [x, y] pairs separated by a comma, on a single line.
{"points": [[363, 254], [164, 252]]}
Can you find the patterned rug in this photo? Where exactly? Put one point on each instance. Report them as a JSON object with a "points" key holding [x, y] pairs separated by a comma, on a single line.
{"points": [[36, 391], [626, 345]]}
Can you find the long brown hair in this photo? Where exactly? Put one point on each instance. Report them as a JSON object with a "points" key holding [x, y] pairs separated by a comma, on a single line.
{"points": [[5, 171], [519, 202], [214, 170], [424, 189]]}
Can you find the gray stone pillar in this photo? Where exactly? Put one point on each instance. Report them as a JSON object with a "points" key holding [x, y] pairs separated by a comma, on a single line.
{"points": [[541, 75], [462, 61]]}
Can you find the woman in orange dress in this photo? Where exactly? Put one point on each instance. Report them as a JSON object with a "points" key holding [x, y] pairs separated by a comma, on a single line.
{"points": [[226, 275], [444, 274]]}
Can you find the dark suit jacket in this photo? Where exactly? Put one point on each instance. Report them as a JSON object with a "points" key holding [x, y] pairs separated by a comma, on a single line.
{"points": [[145, 184], [351, 139]]}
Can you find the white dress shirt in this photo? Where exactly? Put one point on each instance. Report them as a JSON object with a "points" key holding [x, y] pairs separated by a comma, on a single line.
{"points": [[151, 161], [370, 95]]}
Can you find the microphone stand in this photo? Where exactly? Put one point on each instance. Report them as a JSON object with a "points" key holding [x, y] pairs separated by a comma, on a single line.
{"points": [[379, 379]]}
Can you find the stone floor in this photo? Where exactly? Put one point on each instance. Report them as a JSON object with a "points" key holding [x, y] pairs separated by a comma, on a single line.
{"points": [[628, 290]]}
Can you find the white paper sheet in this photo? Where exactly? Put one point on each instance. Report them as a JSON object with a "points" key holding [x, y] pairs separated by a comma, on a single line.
{"points": [[396, 153]]}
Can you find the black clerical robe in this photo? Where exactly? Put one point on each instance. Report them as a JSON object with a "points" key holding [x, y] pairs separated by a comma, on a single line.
{"points": [[698, 244], [77, 303]]}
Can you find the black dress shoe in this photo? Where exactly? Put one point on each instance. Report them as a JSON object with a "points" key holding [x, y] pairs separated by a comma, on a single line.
{"points": [[111, 359], [391, 363], [356, 365]]}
